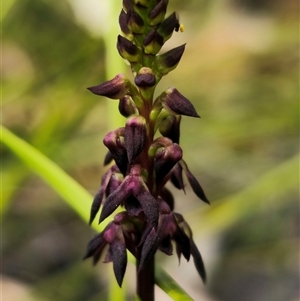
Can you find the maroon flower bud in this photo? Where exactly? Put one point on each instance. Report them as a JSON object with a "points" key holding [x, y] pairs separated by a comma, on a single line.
{"points": [[114, 141], [135, 136], [123, 22], [145, 78], [157, 14], [168, 61], [127, 106], [128, 50], [166, 158], [194, 183], [153, 42], [114, 89], [176, 103], [167, 27], [135, 22], [170, 127]]}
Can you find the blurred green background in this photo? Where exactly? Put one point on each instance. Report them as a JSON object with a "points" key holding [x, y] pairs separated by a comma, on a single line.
{"points": [[241, 71]]}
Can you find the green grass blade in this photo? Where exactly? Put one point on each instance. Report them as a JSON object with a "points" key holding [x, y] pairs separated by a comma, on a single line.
{"points": [[73, 193], [170, 286]]}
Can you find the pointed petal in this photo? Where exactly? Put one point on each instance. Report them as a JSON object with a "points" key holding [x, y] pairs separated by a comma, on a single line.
{"points": [[95, 244], [194, 183], [96, 205], [149, 248], [198, 261], [119, 258], [114, 200], [99, 196], [183, 243]]}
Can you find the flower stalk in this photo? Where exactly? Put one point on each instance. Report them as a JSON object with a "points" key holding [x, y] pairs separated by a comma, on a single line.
{"points": [[142, 164]]}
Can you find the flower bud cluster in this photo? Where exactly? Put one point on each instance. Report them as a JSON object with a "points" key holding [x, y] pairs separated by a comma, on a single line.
{"points": [[143, 164]]}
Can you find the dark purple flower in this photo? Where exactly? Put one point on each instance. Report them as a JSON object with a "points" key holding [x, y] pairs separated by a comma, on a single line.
{"points": [[176, 103], [115, 88]]}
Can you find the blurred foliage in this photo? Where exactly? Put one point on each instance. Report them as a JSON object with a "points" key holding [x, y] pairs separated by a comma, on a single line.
{"points": [[240, 70]]}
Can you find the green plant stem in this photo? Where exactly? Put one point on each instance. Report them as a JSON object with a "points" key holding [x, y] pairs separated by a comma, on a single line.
{"points": [[146, 280]]}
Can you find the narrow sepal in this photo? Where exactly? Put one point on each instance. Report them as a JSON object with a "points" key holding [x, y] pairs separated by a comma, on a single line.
{"points": [[119, 259], [96, 243], [114, 200], [114, 89], [169, 60], [176, 103], [99, 196], [96, 205], [182, 243], [149, 248], [194, 183], [198, 261], [128, 50], [135, 136]]}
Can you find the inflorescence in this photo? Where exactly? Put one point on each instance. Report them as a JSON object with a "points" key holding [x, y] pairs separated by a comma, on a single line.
{"points": [[142, 162]]}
